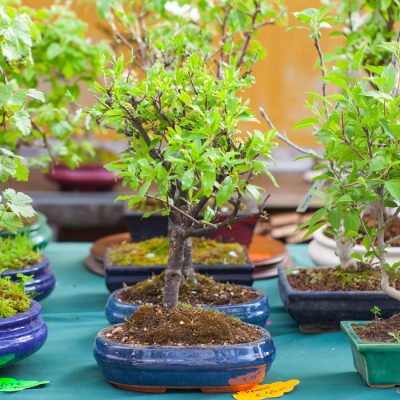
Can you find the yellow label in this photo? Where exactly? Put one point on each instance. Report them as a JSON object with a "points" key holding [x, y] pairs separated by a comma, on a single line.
{"points": [[267, 391]]}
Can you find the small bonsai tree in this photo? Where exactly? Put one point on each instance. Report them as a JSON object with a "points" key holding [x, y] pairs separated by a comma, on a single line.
{"points": [[182, 117]]}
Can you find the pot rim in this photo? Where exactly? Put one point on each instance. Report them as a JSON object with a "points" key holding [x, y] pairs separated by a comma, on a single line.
{"points": [[100, 336], [327, 293], [43, 264], [320, 237], [21, 318], [347, 328], [262, 295]]}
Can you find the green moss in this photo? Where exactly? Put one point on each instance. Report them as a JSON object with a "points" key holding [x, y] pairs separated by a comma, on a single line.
{"points": [[13, 299], [18, 252], [155, 252]]}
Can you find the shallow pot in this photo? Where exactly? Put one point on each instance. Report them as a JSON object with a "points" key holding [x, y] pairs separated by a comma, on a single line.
{"points": [[227, 368], [322, 250], [43, 280], [255, 312], [86, 178], [21, 335], [39, 232], [324, 310], [116, 276], [377, 363]]}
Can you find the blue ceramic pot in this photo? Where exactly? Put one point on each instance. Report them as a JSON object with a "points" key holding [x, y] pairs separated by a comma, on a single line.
{"points": [[39, 232], [43, 282], [209, 368], [21, 335], [323, 310], [255, 312]]}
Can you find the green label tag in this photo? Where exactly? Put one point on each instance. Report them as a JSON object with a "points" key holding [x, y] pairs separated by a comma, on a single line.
{"points": [[15, 385], [310, 195]]}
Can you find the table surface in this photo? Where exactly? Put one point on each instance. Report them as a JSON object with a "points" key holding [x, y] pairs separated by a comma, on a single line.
{"points": [[74, 314]]}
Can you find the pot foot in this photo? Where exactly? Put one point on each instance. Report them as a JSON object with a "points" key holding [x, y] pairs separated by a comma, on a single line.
{"points": [[317, 329], [383, 386], [227, 389], [137, 388]]}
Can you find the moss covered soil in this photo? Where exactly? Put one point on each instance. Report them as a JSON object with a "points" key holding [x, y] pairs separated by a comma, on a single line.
{"points": [[182, 326], [18, 252], [359, 278], [155, 252], [207, 292], [13, 299]]}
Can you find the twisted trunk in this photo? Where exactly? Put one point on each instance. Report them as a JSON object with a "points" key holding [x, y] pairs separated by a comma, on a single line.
{"points": [[344, 248], [188, 269], [173, 273]]}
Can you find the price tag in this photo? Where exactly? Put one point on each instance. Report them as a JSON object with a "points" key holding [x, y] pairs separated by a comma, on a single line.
{"points": [[15, 385], [310, 195], [267, 391]]}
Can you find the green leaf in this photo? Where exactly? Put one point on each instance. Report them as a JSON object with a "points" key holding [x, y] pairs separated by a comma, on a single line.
{"points": [[225, 191], [334, 217], [36, 94], [188, 179], [54, 50], [358, 58], [19, 203], [22, 122], [351, 221], [393, 187]]}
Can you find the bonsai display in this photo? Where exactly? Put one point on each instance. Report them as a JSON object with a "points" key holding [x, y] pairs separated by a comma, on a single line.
{"points": [[18, 256], [181, 120], [129, 263]]}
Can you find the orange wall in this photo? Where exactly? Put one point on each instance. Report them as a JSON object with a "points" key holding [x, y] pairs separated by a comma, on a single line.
{"points": [[282, 77]]}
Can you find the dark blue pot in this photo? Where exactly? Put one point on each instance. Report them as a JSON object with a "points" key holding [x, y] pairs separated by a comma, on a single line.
{"points": [[117, 277], [323, 310], [209, 368], [43, 282], [255, 312], [21, 335]]}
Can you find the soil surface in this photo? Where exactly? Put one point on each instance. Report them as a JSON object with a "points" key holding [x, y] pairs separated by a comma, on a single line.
{"points": [[207, 292], [155, 252], [387, 330], [360, 277], [182, 326]]}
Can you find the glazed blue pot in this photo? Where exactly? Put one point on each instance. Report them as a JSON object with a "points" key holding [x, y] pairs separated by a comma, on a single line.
{"points": [[255, 312], [323, 310], [227, 368], [43, 282], [21, 335]]}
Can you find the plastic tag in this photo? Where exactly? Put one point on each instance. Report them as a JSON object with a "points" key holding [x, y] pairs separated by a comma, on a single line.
{"points": [[267, 391], [317, 185], [15, 385]]}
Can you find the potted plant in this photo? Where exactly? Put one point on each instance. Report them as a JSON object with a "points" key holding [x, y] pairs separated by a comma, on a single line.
{"points": [[19, 257], [129, 263], [22, 330], [181, 119]]}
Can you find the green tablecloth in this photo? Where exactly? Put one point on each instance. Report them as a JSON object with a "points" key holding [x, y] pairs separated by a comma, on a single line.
{"points": [[74, 314]]}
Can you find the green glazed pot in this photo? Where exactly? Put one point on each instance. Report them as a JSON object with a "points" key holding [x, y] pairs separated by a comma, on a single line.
{"points": [[39, 232], [378, 363]]}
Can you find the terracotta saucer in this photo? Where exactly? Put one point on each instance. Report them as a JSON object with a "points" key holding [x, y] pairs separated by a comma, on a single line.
{"points": [[266, 251], [99, 246]]}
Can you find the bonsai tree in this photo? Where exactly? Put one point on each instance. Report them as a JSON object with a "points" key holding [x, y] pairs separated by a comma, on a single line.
{"points": [[182, 116], [62, 59]]}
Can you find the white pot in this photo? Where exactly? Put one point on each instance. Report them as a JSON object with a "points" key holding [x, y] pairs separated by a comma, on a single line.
{"points": [[322, 250]]}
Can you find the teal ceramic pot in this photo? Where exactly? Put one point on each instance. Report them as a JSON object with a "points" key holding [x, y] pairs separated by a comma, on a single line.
{"points": [[39, 232], [377, 363], [213, 369]]}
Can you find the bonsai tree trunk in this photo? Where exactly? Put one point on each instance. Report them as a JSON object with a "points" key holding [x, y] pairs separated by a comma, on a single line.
{"points": [[173, 274], [385, 284], [344, 248], [188, 270]]}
